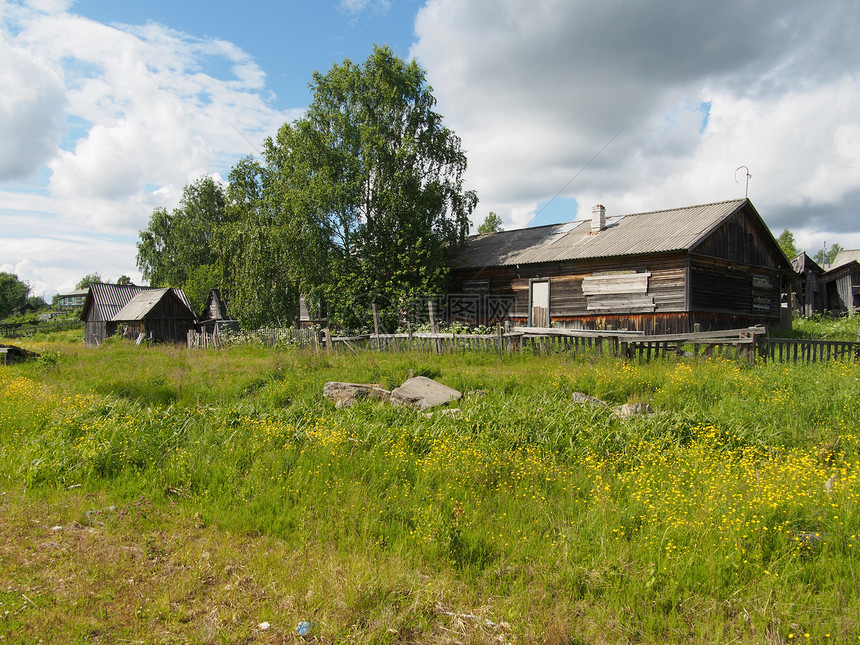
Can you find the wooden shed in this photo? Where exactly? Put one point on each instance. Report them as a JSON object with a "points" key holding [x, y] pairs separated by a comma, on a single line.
{"points": [[808, 295], [716, 265], [106, 311], [158, 315], [842, 283]]}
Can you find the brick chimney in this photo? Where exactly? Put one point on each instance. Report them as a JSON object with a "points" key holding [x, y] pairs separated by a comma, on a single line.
{"points": [[598, 219]]}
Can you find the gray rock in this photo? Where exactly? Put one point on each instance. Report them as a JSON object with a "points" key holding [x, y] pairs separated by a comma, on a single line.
{"points": [[581, 397], [631, 409], [345, 394], [423, 393]]}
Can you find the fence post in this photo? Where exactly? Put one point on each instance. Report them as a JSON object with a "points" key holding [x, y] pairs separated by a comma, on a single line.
{"points": [[500, 336], [376, 326], [431, 306]]}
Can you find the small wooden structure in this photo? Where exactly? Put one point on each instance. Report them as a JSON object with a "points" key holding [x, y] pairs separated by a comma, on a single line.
{"points": [[215, 319], [156, 314], [104, 305], [808, 295], [842, 284], [714, 265]]}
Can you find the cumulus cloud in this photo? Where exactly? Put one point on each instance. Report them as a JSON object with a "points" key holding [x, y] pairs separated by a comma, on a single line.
{"points": [[685, 93], [107, 122], [31, 112]]}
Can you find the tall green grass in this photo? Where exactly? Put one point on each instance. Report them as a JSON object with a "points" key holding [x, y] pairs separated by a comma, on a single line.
{"points": [[708, 520]]}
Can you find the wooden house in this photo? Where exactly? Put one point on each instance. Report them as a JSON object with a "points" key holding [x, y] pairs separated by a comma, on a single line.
{"points": [[158, 313], [715, 265], [72, 300], [842, 283], [808, 295]]}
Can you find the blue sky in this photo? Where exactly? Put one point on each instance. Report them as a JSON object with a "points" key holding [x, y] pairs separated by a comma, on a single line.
{"points": [[289, 39], [110, 107]]}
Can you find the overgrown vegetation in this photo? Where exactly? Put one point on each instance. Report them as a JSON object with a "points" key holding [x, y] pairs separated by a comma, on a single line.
{"points": [[824, 327], [359, 202], [157, 494]]}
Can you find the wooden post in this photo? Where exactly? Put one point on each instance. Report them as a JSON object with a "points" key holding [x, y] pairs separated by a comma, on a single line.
{"points": [[431, 306], [376, 325], [500, 336], [408, 335], [327, 338]]}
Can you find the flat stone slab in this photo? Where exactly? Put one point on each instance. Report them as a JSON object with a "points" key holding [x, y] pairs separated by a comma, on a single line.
{"points": [[422, 393], [345, 394]]}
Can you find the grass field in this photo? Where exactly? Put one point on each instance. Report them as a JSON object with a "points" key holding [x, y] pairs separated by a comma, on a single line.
{"points": [[160, 495]]}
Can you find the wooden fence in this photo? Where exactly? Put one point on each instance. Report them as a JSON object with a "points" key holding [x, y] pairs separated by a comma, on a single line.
{"points": [[792, 350], [747, 344], [25, 330]]}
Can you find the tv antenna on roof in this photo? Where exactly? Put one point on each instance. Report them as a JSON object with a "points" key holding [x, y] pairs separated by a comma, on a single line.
{"points": [[747, 190]]}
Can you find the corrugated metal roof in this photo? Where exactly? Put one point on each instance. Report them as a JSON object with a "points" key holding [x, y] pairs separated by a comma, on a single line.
{"points": [[112, 298], [845, 256], [677, 229], [109, 298], [140, 305]]}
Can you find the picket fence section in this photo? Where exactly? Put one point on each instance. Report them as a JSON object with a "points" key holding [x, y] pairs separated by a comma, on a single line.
{"points": [[749, 344]]}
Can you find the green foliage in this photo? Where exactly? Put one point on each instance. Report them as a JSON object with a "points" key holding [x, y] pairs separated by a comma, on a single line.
{"points": [[787, 244], [87, 280], [200, 280], [123, 280], [176, 243], [825, 256], [369, 188], [822, 327], [492, 224], [258, 250], [13, 293], [37, 302]]}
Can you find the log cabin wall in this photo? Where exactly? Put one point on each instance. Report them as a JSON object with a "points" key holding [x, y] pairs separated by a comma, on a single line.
{"points": [[722, 287], [656, 297]]}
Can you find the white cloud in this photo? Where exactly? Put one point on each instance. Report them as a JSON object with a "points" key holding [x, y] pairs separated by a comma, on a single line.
{"points": [[695, 90], [31, 112], [355, 7], [55, 264], [116, 120]]}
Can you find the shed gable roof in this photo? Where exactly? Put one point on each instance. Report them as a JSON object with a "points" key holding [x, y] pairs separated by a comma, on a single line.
{"points": [[802, 263], [111, 299], [677, 229], [845, 256], [108, 299], [143, 303]]}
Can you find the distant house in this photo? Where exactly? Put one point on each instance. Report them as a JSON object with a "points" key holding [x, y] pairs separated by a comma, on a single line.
{"points": [[215, 318], [715, 265], [160, 314], [73, 299], [842, 283], [808, 295]]}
